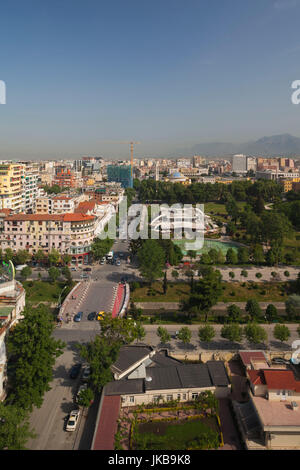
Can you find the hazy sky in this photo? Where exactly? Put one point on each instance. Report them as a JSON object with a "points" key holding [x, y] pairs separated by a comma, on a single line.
{"points": [[169, 73]]}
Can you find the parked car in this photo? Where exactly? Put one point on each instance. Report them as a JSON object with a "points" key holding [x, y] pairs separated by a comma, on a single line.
{"points": [[101, 315], [81, 388], [102, 261], [73, 420], [92, 316], [78, 316], [87, 269], [118, 262], [74, 372], [73, 268], [86, 374], [84, 275], [279, 360]]}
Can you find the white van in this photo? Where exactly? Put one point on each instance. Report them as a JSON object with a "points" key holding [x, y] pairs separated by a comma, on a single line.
{"points": [[19, 267]]}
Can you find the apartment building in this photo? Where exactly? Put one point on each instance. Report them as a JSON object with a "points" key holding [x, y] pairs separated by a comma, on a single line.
{"points": [[11, 186], [12, 303], [67, 233], [30, 185]]}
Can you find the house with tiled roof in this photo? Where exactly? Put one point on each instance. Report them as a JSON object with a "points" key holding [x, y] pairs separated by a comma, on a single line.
{"points": [[145, 375], [271, 417]]}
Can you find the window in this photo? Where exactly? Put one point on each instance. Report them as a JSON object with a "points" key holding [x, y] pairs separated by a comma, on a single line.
{"points": [[169, 397], [184, 396], [178, 396], [194, 395], [131, 399]]}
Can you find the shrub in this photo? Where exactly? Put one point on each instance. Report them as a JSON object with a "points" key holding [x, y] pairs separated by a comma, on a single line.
{"points": [[258, 275]]}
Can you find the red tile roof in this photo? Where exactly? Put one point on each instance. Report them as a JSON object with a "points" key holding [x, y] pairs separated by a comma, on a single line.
{"points": [[85, 206], [248, 356], [107, 426], [256, 377], [70, 217], [281, 380]]}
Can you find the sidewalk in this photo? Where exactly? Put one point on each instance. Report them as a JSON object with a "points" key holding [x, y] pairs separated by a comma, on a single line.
{"points": [[73, 301]]}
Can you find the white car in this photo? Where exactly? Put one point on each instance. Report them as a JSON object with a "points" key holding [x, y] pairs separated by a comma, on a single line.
{"points": [[73, 420]]}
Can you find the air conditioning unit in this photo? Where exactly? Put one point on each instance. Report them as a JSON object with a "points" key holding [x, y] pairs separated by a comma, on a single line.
{"points": [[294, 406]]}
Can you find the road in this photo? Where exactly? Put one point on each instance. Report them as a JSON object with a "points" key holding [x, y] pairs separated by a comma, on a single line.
{"points": [[49, 420]]}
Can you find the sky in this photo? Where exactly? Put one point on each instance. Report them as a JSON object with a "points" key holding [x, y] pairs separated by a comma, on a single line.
{"points": [[83, 76]]}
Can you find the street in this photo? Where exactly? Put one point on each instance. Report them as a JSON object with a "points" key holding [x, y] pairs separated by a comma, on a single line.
{"points": [[49, 420]]}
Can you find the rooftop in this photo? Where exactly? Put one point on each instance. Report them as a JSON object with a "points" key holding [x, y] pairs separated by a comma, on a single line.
{"points": [[277, 413]]}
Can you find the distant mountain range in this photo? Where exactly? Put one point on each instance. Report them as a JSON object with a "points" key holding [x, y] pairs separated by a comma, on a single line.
{"points": [[275, 145]]}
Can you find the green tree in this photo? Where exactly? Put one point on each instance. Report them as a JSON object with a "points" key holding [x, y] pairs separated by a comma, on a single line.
{"points": [[32, 350], [39, 256], [53, 273], [14, 429], [101, 247], [101, 353], [140, 332], [206, 291], [281, 332], [8, 255], [243, 255], [66, 259], [234, 313], [231, 256], [119, 330], [206, 333], [163, 334], [271, 313], [21, 257], [253, 309], [67, 274], [175, 274], [53, 257], [292, 306], [151, 260], [258, 255], [26, 272], [255, 334], [185, 335], [232, 332], [85, 397]]}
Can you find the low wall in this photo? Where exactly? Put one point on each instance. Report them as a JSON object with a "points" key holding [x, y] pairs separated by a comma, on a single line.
{"points": [[126, 300], [223, 355]]}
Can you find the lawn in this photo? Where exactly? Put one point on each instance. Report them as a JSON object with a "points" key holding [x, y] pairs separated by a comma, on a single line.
{"points": [[200, 433], [232, 292], [42, 291], [218, 211]]}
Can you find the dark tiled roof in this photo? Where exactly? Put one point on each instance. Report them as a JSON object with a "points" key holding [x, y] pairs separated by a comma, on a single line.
{"points": [[162, 378], [194, 375], [128, 356], [124, 386], [163, 360], [218, 373]]}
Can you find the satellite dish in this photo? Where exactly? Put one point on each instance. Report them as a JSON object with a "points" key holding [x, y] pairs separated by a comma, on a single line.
{"points": [[148, 379]]}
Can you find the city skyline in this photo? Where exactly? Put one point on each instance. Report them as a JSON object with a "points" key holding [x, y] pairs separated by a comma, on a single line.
{"points": [[79, 77]]}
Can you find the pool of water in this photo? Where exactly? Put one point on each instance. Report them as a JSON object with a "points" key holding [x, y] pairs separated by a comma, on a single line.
{"points": [[208, 245]]}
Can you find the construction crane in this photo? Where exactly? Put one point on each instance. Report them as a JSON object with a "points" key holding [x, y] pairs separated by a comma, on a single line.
{"points": [[131, 152]]}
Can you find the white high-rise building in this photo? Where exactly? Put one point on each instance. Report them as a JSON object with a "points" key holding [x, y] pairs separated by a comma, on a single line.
{"points": [[239, 163]]}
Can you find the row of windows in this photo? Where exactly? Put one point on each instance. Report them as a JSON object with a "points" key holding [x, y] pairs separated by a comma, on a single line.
{"points": [[160, 398]]}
